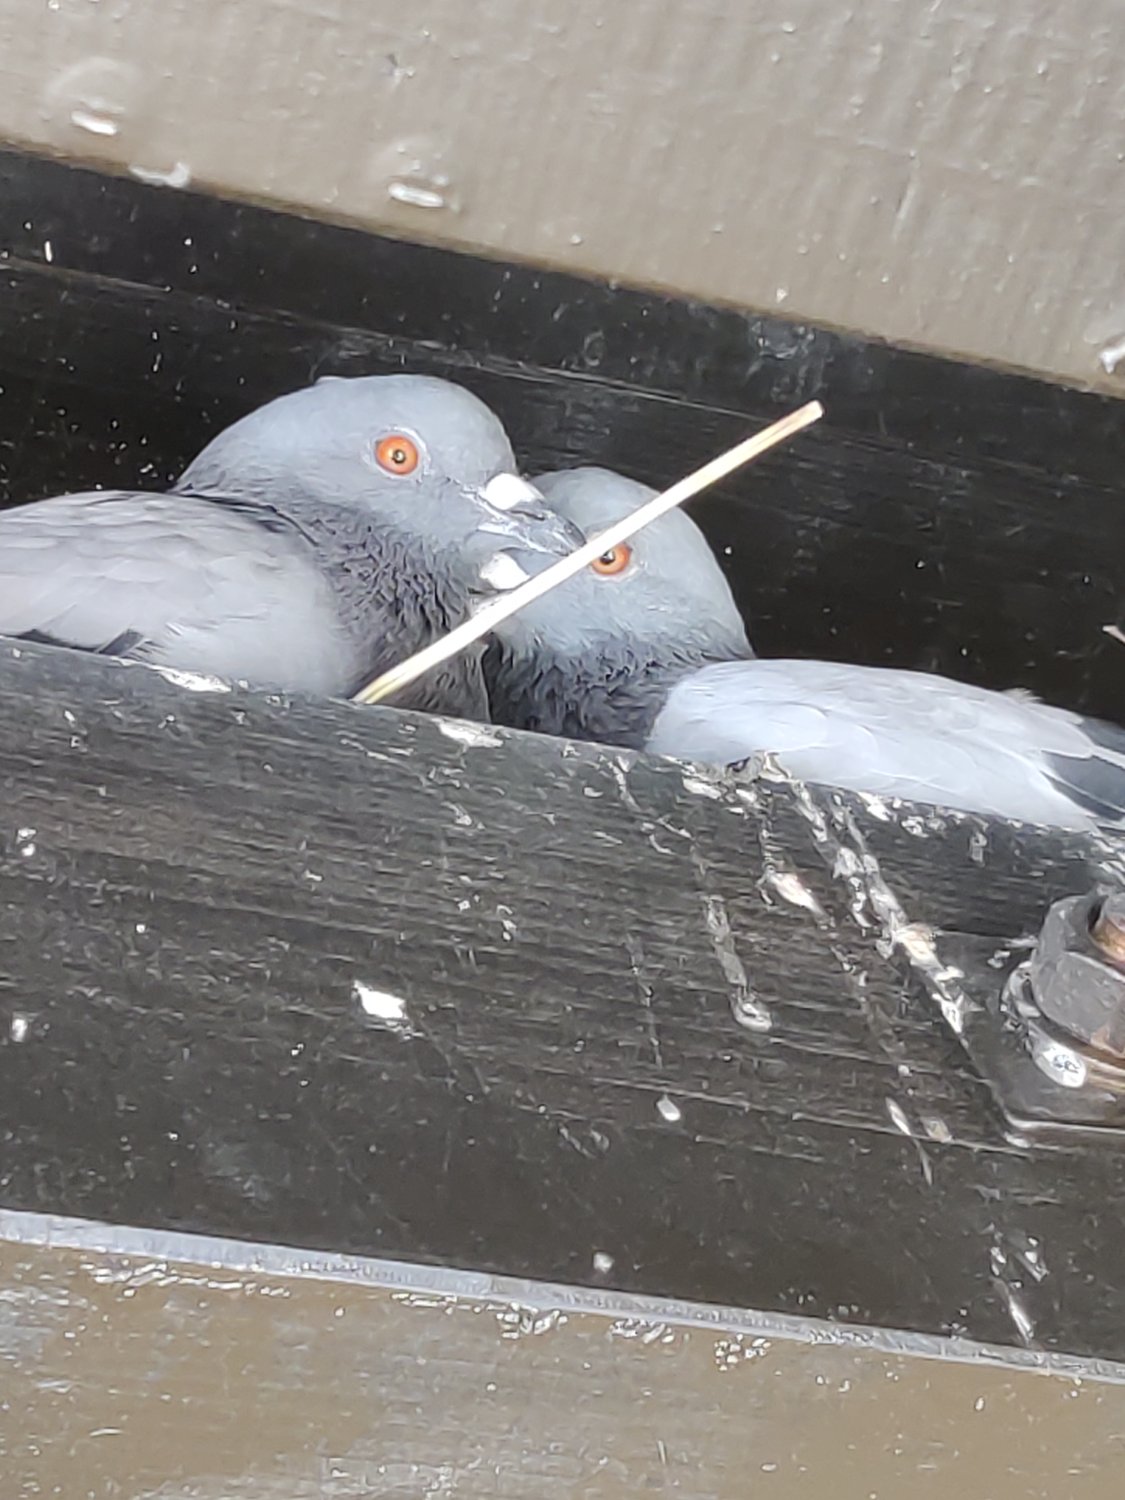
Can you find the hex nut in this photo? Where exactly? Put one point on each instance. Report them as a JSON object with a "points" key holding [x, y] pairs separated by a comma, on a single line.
{"points": [[1074, 985], [1109, 927]]}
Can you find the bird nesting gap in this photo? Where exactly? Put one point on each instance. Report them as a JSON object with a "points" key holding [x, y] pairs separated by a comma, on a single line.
{"points": [[496, 610]]}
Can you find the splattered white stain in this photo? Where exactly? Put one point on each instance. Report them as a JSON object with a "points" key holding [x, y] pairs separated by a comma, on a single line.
{"points": [[698, 787], [745, 1006], [194, 682], [177, 176], [1021, 1319], [94, 124], [465, 733], [898, 1117], [1111, 355], [387, 1009], [416, 195], [790, 887]]}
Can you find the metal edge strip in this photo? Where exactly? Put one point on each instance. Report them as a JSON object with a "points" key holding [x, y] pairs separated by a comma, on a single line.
{"points": [[56, 1232]]}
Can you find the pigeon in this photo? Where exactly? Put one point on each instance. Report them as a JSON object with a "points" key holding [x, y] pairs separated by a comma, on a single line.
{"points": [[646, 649], [315, 543]]}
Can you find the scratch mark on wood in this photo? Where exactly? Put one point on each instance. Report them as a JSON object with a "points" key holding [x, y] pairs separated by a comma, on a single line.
{"points": [[901, 1122], [644, 990], [746, 1008]]}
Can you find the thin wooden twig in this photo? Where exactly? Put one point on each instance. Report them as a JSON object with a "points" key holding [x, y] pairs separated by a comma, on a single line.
{"points": [[507, 604]]}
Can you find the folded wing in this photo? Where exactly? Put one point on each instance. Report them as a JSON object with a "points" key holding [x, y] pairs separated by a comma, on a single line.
{"points": [[902, 734], [174, 581]]}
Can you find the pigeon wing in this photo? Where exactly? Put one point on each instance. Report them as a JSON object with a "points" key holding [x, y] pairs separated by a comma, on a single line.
{"points": [[901, 734], [175, 581]]}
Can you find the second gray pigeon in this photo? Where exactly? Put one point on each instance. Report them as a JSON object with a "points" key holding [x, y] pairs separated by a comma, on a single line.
{"points": [[312, 545], [647, 649]]}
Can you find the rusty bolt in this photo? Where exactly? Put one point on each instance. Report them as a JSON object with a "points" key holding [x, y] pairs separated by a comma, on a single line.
{"points": [[1109, 927], [1076, 980]]}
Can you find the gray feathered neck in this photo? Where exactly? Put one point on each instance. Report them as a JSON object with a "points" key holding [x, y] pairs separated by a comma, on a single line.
{"points": [[611, 693], [393, 595]]}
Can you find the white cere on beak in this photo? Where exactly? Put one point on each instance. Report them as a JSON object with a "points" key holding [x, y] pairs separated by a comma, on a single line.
{"points": [[502, 572], [505, 490]]}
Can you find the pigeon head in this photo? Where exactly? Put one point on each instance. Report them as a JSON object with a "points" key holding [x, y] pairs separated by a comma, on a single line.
{"points": [[418, 458], [595, 657], [662, 588]]}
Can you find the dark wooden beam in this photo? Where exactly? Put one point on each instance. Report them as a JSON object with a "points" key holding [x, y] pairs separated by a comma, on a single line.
{"points": [[198, 889]]}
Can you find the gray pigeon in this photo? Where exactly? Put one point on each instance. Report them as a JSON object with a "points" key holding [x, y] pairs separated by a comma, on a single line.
{"points": [[310, 546], [646, 649]]}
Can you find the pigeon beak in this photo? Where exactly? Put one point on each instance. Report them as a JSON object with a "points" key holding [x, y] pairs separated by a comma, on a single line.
{"points": [[509, 491], [507, 569], [522, 511], [503, 571]]}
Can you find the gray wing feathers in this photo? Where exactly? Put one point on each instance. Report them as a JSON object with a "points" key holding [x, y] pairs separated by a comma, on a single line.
{"points": [[184, 582], [900, 734]]}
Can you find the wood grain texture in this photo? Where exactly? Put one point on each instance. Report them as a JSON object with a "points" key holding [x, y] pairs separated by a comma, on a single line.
{"points": [[196, 887]]}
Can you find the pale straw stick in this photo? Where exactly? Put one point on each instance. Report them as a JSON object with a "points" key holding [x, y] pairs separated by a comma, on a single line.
{"points": [[498, 609]]}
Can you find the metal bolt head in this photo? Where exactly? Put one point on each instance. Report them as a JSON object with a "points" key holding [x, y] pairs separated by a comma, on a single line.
{"points": [[1074, 984], [1109, 927]]}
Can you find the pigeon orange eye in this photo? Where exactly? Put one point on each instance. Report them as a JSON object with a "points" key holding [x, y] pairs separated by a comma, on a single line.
{"points": [[397, 454], [616, 560]]}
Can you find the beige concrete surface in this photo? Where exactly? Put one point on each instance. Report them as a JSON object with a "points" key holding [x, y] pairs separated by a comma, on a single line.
{"points": [[943, 173], [196, 1376]]}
